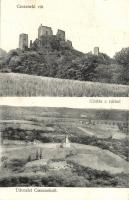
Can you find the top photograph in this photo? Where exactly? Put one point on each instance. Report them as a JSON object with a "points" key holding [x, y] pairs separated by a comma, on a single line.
{"points": [[64, 48]]}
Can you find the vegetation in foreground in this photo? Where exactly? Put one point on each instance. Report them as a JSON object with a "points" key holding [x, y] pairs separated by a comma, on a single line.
{"points": [[74, 176], [25, 163], [67, 63], [12, 84], [49, 70]]}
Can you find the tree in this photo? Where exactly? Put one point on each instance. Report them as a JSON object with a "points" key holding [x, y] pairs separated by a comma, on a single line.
{"points": [[40, 154], [122, 58], [37, 155], [109, 73], [29, 158]]}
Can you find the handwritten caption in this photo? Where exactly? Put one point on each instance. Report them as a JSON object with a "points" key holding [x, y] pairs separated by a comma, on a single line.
{"points": [[32, 6], [105, 101], [29, 190]]}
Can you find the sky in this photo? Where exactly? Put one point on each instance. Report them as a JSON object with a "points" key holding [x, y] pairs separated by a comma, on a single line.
{"points": [[88, 23]]}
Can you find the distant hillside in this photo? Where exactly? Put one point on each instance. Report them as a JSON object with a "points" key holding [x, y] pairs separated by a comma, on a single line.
{"points": [[2, 53], [13, 84], [27, 113]]}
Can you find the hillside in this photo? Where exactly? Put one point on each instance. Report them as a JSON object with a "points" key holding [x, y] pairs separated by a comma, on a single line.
{"points": [[33, 155], [2, 53], [13, 84], [56, 59], [32, 113], [53, 56], [63, 167]]}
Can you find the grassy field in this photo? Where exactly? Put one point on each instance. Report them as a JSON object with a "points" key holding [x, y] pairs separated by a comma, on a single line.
{"points": [[102, 131], [12, 84], [78, 166], [84, 155], [32, 154]]}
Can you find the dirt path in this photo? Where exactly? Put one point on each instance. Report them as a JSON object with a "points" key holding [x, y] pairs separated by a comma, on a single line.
{"points": [[42, 145], [86, 131]]}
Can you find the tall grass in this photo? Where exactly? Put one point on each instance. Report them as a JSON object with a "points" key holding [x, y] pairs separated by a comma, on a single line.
{"points": [[12, 84]]}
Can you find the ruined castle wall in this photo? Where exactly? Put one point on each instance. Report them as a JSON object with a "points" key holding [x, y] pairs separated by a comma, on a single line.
{"points": [[31, 44], [69, 43], [61, 34], [44, 31]]}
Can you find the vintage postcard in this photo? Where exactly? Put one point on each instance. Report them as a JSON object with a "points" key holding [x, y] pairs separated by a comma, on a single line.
{"points": [[64, 99], [64, 48]]}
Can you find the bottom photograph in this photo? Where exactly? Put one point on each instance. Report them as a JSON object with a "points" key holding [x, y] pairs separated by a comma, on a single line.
{"points": [[63, 147]]}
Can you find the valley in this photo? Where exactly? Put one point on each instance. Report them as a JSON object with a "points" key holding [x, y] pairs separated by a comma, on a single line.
{"points": [[63, 147]]}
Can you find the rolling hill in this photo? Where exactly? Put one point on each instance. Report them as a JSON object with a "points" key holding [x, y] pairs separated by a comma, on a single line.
{"points": [[33, 113], [28, 132]]}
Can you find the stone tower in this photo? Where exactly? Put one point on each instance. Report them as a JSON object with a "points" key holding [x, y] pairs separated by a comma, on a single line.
{"points": [[96, 51], [61, 34], [31, 44], [44, 31], [23, 41]]}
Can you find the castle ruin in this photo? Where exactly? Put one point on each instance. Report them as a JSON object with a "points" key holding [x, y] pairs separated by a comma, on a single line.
{"points": [[69, 43], [44, 31], [23, 41], [31, 44], [45, 39], [60, 34], [96, 51]]}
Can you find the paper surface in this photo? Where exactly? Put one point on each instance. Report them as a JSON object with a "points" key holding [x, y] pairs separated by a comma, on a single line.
{"points": [[88, 113]]}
